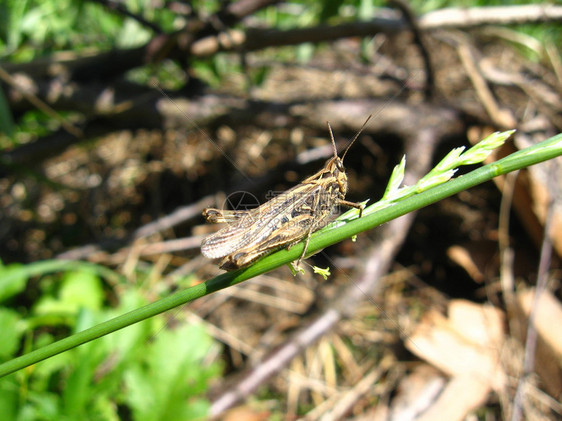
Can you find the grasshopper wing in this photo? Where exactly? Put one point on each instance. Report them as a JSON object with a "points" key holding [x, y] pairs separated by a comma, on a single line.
{"points": [[229, 238]]}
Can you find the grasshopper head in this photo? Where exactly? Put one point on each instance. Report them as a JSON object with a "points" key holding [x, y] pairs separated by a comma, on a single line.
{"points": [[338, 172]]}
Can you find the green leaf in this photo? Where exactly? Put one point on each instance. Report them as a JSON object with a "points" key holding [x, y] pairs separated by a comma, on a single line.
{"points": [[172, 376], [12, 280], [9, 333], [132, 35], [79, 289], [9, 398], [396, 179], [82, 289]]}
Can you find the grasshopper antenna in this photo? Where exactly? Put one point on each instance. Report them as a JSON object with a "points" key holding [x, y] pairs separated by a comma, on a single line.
{"points": [[333, 141], [354, 137]]}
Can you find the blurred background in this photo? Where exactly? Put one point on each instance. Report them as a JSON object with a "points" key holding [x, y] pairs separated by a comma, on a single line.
{"points": [[121, 120]]}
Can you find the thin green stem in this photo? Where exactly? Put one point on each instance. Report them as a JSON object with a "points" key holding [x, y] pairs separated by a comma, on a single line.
{"points": [[540, 152]]}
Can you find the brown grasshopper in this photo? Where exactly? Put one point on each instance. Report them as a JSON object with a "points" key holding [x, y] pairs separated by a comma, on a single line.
{"points": [[282, 221]]}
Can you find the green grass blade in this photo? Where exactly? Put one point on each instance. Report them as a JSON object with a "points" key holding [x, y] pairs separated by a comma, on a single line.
{"points": [[540, 152]]}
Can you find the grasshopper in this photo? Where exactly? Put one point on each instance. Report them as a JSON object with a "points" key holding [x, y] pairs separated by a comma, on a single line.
{"points": [[282, 221]]}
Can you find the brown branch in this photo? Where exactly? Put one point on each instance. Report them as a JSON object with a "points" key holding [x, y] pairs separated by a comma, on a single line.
{"points": [[494, 15], [254, 39]]}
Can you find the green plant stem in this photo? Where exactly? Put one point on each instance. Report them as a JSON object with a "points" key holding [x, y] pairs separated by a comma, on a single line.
{"points": [[540, 152]]}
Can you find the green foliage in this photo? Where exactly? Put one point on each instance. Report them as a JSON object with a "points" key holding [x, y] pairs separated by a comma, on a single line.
{"points": [[12, 280], [32, 28], [9, 332], [213, 71], [154, 372], [168, 374], [167, 74]]}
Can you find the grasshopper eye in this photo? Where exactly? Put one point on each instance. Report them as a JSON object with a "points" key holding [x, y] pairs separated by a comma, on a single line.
{"points": [[339, 165]]}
